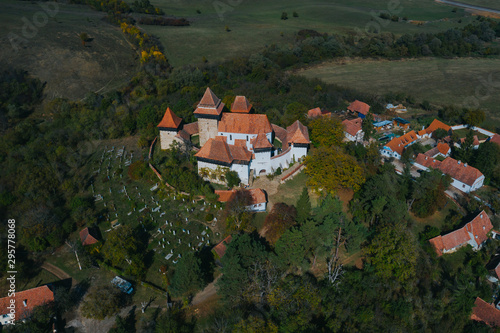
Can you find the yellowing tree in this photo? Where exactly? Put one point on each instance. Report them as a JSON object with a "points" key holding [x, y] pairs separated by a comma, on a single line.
{"points": [[326, 132], [329, 169]]}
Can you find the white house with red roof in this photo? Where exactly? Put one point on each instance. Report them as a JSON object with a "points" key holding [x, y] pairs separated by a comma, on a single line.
{"points": [[465, 177], [258, 198], [239, 140], [353, 130], [21, 305], [474, 233], [396, 146]]}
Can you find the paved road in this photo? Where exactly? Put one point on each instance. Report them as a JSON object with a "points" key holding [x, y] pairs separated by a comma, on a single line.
{"points": [[464, 5]]}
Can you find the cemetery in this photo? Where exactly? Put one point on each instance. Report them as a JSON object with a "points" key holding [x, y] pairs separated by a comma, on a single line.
{"points": [[127, 192]]}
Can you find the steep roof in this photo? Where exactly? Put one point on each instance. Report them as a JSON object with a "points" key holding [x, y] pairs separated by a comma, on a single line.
{"points": [[241, 104], [245, 123], [353, 126], [422, 132], [297, 133], [443, 148], [210, 104], [476, 230], [191, 128], [224, 195], [398, 144], [281, 134], [435, 125], [261, 142], [219, 150], [87, 238], [220, 249], [216, 150], [170, 120], [460, 171], [316, 112], [358, 106], [33, 298], [486, 313]]}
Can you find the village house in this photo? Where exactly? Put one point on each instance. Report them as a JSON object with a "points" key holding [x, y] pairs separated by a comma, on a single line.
{"points": [[353, 130], [465, 178], [238, 140], [258, 198], [395, 108], [401, 123], [395, 147], [485, 312], [25, 302], [383, 125], [474, 233], [317, 112], [88, 236], [495, 139], [359, 108], [219, 250], [442, 149]]}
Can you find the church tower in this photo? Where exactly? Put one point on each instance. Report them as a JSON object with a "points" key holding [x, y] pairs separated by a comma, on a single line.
{"points": [[169, 127], [208, 112]]}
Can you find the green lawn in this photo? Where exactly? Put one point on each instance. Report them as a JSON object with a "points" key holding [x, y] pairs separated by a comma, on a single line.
{"points": [[462, 133], [256, 24], [440, 81], [290, 191]]}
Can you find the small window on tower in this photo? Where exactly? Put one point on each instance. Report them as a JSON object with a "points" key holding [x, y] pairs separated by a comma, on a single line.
{"points": [[247, 137], [230, 137]]}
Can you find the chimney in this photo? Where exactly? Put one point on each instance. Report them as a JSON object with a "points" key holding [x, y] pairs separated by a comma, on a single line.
{"points": [[465, 165], [458, 162], [25, 303]]}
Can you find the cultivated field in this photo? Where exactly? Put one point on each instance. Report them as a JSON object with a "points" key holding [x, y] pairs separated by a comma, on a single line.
{"points": [[255, 24], [466, 82], [48, 46], [495, 4]]}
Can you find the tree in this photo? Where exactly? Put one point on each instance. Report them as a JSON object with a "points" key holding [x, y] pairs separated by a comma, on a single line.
{"points": [[367, 126], [303, 206], [393, 252], [428, 193], [278, 221], [326, 132], [487, 160], [474, 117], [187, 277], [284, 16], [439, 134], [295, 14], [232, 178], [290, 249], [236, 213], [101, 302], [330, 169], [466, 150]]}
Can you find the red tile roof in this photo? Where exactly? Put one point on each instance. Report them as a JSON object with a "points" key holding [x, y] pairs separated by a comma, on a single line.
{"points": [[220, 249], [486, 313], [496, 139], [497, 270], [297, 133], [398, 144], [87, 238], [209, 104], [261, 142], [281, 134], [443, 148], [360, 107], [313, 113], [191, 128], [422, 132], [257, 195], [474, 143], [460, 171], [427, 161], [170, 120], [33, 298], [478, 228], [245, 123], [219, 150], [353, 126], [241, 104], [183, 135], [435, 125]]}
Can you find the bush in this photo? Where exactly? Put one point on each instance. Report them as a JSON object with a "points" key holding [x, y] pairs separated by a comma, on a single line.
{"points": [[209, 217], [295, 14], [284, 16]]}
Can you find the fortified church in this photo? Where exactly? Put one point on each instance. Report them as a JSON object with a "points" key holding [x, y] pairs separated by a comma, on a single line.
{"points": [[239, 140]]}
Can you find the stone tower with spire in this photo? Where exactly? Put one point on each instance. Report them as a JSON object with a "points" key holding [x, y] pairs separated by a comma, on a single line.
{"points": [[169, 128], [208, 112]]}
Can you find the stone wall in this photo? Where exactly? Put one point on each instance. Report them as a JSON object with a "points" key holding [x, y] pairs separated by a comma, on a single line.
{"points": [[208, 129]]}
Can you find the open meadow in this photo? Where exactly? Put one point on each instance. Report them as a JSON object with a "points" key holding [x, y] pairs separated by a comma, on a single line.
{"points": [[255, 24], [462, 82], [47, 43], [483, 3]]}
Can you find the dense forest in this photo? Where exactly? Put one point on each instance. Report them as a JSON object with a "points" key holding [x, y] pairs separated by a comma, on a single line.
{"points": [[292, 280]]}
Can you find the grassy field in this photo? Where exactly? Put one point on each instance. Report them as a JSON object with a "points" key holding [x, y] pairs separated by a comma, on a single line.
{"points": [[463, 82], [52, 50], [255, 24]]}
